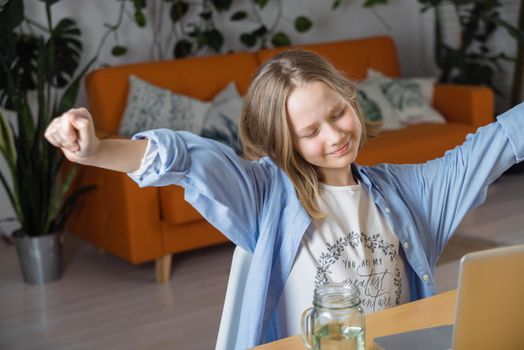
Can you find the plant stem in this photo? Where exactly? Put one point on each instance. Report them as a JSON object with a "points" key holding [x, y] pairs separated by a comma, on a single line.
{"points": [[381, 19], [32, 22], [111, 29], [51, 58], [48, 16], [156, 27], [277, 19], [254, 9]]}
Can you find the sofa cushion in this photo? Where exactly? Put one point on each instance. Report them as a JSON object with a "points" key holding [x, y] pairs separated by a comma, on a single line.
{"points": [[375, 106], [410, 98], [150, 107], [199, 77], [222, 119], [413, 144]]}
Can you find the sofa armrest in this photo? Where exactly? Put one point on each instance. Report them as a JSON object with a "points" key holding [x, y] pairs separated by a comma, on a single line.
{"points": [[465, 104]]}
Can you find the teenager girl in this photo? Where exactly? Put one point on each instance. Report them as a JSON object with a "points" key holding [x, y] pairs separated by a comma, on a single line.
{"points": [[298, 201]]}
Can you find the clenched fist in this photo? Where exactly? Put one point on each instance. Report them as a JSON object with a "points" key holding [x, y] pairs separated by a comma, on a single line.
{"points": [[74, 133]]}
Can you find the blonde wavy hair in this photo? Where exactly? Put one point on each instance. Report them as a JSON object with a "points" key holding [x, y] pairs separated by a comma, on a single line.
{"points": [[264, 126]]}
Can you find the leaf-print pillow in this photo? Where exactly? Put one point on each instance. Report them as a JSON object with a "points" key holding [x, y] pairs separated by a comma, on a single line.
{"points": [[151, 107], [222, 119], [375, 107], [410, 97]]}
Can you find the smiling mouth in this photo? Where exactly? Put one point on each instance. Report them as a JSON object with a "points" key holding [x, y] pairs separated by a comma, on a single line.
{"points": [[342, 150]]}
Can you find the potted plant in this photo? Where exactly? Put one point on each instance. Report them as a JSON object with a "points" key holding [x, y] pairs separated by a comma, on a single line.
{"points": [[38, 71]]}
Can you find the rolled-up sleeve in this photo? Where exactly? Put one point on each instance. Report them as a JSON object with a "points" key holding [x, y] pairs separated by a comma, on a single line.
{"points": [[165, 161], [227, 190], [147, 161]]}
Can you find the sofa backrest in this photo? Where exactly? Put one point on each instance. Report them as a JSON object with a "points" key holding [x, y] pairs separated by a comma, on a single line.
{"points": [[198, 77], [204, 77], [353, 57]]}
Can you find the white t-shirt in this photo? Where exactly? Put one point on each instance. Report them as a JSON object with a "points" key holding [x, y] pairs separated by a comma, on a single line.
{"points": [[354, 244]]}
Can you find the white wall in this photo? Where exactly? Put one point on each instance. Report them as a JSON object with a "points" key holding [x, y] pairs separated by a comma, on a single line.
{"points": [[401, 19]]}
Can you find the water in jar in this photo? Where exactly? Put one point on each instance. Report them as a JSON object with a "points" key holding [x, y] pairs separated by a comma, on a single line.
{"points": [[336, 336]]}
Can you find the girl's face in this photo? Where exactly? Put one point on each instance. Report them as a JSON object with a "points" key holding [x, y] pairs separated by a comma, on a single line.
{"points": [[326, 131]]}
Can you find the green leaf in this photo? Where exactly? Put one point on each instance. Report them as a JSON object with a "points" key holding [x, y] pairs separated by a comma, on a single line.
{"points": [[12, 197], [261, 3], [42, 95], [260, 31], [11, 15], [26, 125], [370, 3], [178, 10], [50, 2], [248, 39], [6, 144], [68, 207], [206, 15], [118, 50], [26, 61], [214, 39], [303, 24], [139, 4], [201, 40], [238, 16], [19, 66], [336, 4], [222, 5], [182, 48], [63, 50], [140, 19], [280, 39], [58, 199]]}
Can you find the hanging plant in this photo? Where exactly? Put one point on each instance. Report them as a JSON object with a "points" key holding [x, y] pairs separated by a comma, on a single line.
{"points": [[474, 60], [191, 34], [265, 33]]}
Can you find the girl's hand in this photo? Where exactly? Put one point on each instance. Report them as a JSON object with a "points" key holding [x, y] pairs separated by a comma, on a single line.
{"points": [[74, 133]]}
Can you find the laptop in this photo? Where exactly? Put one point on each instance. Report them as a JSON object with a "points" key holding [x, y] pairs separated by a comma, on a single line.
{"points": [[489, 312]]}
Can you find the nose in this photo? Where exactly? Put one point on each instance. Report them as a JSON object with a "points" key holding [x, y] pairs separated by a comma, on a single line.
{"points": [[333, 135]]}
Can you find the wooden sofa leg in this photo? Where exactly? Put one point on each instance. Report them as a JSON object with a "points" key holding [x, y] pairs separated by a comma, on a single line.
{"points": [[163, 268]]}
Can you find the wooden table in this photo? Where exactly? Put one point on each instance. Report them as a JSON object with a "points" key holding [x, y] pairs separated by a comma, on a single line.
{"points": [[434, 311]]}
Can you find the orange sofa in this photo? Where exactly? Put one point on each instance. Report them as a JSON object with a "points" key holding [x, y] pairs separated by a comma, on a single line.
{"points": [[140, 225]]}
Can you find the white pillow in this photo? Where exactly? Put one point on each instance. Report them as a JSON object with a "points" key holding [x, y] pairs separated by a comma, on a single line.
{"points": [[410, 97], [375, 106], [150, 107], [222, 119]]}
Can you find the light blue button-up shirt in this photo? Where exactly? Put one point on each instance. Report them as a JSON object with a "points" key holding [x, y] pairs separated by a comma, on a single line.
{"points": [[255, 205]]}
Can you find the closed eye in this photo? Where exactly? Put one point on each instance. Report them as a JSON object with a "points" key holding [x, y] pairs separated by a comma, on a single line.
{"points": [[339, 115], [311, 134]]}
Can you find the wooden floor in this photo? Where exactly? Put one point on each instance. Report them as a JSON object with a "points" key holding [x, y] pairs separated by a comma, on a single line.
{"points": [[104, 303]]}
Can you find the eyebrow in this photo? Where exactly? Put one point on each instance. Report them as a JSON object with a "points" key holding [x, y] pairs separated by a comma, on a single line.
{"points": [[312, 126]]}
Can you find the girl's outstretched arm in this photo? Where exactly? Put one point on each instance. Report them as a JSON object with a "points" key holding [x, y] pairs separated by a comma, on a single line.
{"points": [[74, 133]]}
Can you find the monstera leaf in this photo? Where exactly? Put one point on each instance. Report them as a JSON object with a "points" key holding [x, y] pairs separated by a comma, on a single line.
{"points": [[66, 50], [19, 56], [44, 60], [11, 15]]}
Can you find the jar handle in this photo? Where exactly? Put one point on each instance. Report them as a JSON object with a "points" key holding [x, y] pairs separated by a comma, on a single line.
{"points": [[307, 327]]}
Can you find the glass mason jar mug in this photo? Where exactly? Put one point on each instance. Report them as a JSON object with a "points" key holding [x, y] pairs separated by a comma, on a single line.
{"points": [[336, 320]]}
